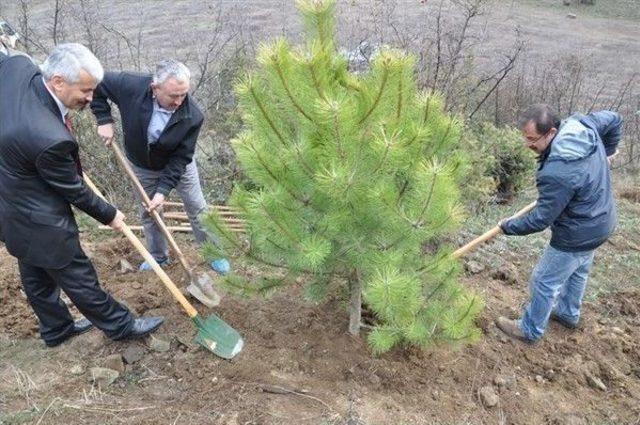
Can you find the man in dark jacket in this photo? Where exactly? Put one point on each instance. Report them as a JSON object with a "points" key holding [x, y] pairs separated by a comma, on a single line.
{"points": [[575, 199], [161, 124], [40, 178]]}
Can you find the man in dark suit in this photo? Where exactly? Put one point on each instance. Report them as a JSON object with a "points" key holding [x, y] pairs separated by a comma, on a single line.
{"points": [[161, 124], [40, 178]]}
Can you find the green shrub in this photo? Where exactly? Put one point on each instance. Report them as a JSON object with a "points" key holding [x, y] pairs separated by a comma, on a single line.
{"points": [[497, 165]]}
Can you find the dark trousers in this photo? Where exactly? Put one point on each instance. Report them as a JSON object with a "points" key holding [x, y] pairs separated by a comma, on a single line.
{"points": [[79, 281]]}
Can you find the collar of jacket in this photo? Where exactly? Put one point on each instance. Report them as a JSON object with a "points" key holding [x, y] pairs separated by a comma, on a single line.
{"points": [[545, 154], [44, 95], [183, 111]]}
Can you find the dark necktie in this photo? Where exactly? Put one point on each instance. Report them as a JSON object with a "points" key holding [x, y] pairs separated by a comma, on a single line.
{"points": [[74, 154]]}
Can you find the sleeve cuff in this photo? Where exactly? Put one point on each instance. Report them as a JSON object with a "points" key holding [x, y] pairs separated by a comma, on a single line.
{"points": [[163, 190], [109, 215], [104, 120]]}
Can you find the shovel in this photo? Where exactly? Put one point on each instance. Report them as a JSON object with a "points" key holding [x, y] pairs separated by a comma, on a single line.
{"points": [[490, 234], [214, 334], [201, 287]]}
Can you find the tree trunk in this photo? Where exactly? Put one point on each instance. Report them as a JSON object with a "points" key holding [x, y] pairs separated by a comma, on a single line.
{"points": [[355, 304]]}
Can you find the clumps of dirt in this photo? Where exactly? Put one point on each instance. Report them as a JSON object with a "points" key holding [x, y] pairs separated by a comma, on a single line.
{"points": [[630, 193], [299, 361], [16, 316]]}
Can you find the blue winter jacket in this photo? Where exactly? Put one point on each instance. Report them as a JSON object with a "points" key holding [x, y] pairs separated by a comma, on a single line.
{"points": [[575, 196]]}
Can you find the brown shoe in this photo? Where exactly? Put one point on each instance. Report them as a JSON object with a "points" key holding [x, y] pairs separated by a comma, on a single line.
{"points": [[511, 328]]}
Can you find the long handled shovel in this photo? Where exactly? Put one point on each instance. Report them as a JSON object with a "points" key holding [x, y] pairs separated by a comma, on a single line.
{"points": [[490, 234], [201, 287], [213, 333]]}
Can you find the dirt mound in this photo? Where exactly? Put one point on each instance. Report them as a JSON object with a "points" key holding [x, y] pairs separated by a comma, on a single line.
{"points": [[300, 366]]}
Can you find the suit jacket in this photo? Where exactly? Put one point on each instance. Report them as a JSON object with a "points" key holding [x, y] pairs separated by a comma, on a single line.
{"points": [[39, 180], [175, 146]]}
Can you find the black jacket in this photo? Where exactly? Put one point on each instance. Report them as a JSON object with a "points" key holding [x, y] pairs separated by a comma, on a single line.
{"points": [[39, 180], [175, 146]]}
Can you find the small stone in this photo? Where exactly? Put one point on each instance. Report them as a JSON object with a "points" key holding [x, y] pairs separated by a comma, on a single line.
{"points": [[114, 362], [549, 374], [187, 342], [77, 369], [474, 267], [132, 354], [488, 396], [539, 379], [569, 419], [103, 376], [617, 330], [159, 345], [596, 383], [500, 381], [375, 380], [125, 267]]}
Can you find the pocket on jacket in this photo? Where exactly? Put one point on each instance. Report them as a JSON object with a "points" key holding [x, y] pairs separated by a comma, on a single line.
{"points": [[52, 242], [49, 219], [16, 234]]}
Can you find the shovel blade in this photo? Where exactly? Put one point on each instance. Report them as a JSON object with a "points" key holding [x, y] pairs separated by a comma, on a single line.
{"points": [[217, 336], [209, 298], [201, 288]]}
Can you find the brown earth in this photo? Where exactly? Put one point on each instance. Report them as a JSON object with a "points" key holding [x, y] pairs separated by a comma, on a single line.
{"points": [[300, 366]]}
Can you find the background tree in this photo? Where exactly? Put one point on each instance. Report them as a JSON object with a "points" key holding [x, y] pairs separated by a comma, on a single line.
{"points": [[351, 177]]}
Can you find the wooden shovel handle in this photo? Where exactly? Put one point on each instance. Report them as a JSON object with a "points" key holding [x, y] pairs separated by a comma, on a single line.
{"points": [[166, 280], [490, 234], [154, 214]]}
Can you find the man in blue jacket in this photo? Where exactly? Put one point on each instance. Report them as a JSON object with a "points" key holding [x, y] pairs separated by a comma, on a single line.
{"points": [[575, 199]]}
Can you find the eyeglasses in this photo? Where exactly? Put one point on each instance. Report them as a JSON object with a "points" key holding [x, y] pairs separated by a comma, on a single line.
{"points": [[536, 140]]}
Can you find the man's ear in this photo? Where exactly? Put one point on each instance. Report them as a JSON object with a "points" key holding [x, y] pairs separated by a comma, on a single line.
{"points": [[57, 81]]}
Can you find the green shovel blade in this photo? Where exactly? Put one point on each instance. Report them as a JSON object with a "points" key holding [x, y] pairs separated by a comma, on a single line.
{"points": [[217, 336]]}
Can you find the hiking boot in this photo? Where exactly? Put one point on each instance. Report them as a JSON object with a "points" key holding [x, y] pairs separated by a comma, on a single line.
{"points": [[512, 329], [564, 322]]}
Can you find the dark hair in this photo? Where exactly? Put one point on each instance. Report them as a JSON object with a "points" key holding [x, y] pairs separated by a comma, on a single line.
{"points": [[543, 116]]}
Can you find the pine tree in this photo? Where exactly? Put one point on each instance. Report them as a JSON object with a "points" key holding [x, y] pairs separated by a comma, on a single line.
{"points": [[351, 177]]}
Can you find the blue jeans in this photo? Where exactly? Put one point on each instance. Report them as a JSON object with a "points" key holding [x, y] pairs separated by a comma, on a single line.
{"points": [[557, 284]]}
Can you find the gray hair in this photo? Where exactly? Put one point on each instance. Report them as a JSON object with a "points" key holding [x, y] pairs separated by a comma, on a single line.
{"points": [[170, 68], [68, 60]]}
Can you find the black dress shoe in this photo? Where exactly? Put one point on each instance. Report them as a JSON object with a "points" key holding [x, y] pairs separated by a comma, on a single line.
{"points": [[79, 327], [143, 326]]}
